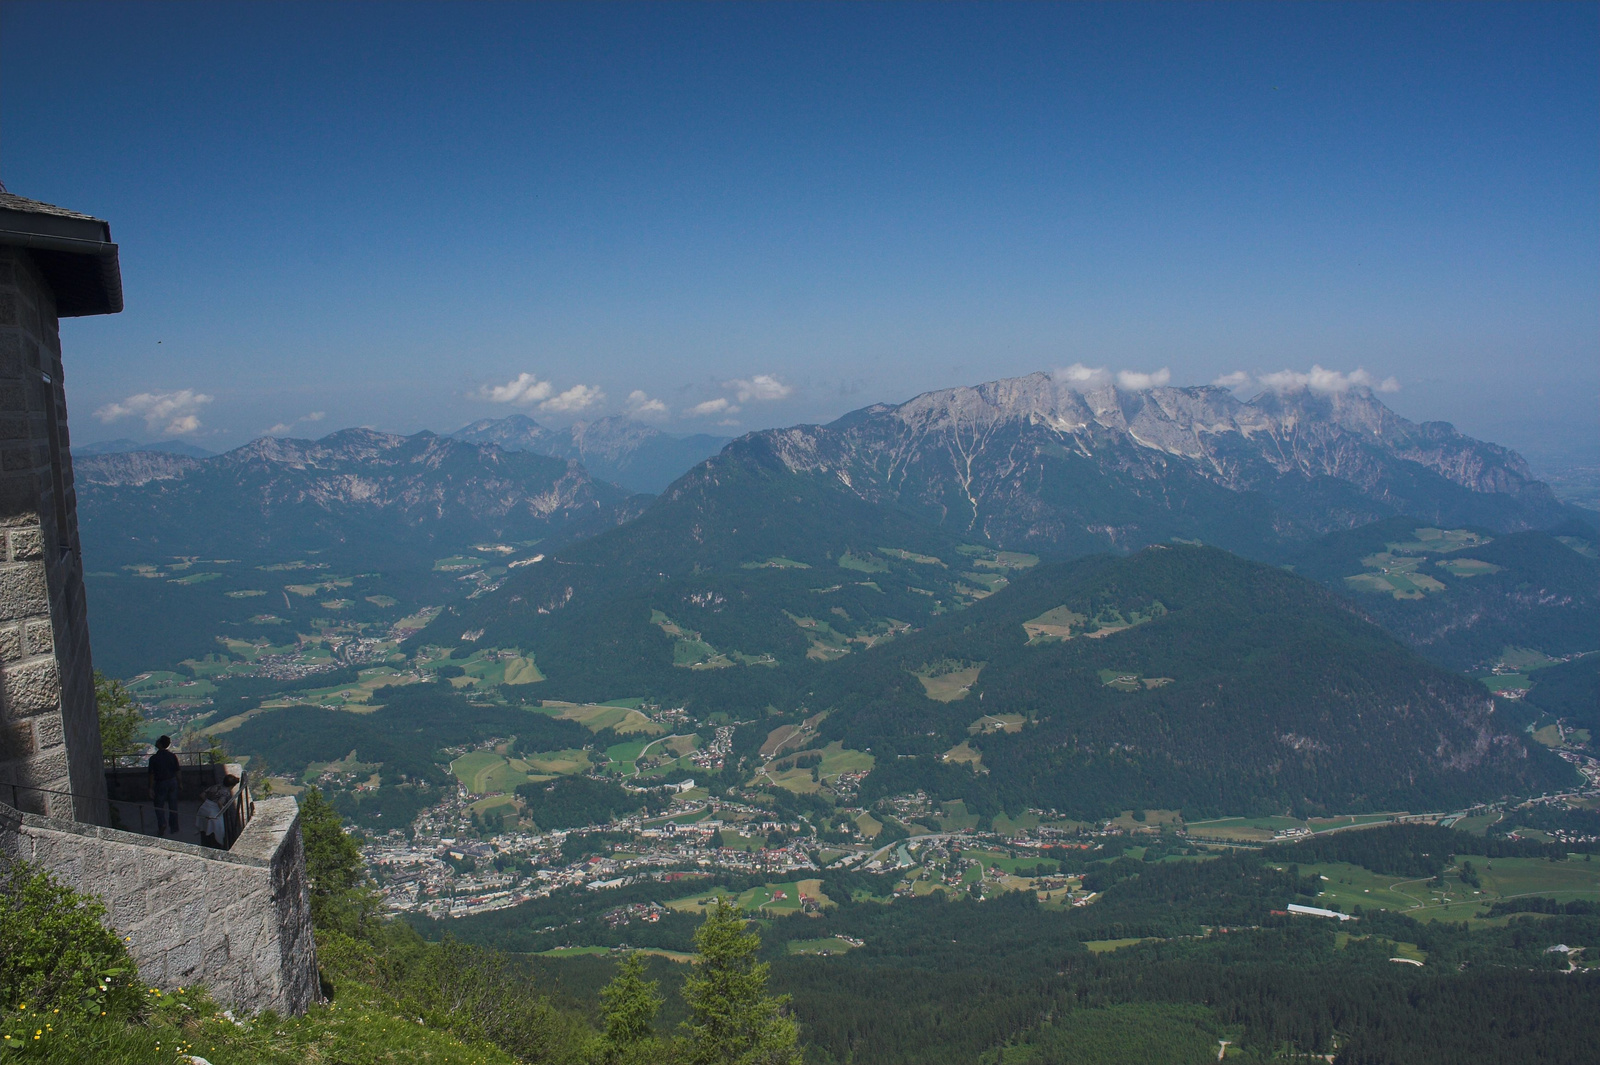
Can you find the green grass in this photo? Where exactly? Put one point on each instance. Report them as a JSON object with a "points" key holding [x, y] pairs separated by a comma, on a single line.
{"points": [[777, 562], [1525, 659], [947, 685], [621, 756], [828, 945], [1242, 829], [997, 723], [595, 716], [1350, 886], [910, 556], [862, 563], [1106, 946], [1466, 567], [478, 769], [1550, 735], [1053, 625], [764, 898], [194, 578]]}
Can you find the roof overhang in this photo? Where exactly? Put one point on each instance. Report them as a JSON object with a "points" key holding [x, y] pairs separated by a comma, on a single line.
{"points": [[75, 254]]}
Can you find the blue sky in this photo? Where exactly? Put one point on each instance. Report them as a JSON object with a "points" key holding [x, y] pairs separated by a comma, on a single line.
{"points": [[743, 216]]}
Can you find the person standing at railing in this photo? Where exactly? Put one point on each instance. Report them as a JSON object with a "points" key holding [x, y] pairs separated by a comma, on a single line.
{"points": [[164, 784]]}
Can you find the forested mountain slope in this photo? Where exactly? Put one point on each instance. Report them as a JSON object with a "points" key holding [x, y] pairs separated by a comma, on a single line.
{"points": [[729, 589], [1178, 677], [287, 537], [1463, 596]]}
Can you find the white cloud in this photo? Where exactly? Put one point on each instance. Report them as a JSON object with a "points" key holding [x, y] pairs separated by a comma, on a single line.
{"points": [[641, 405], [574, 399], [1083, 378], [524, 389], [1326, 382], [1236, 379], [761, 387], [170, 413], [286, 427], [1136, 381], [720, 405]]}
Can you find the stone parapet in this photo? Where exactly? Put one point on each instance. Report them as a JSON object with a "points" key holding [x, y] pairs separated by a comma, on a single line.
{"points": [[236, 921]]}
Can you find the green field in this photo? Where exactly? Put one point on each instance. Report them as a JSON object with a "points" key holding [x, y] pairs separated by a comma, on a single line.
{"points": [[1243, 829], [596, 716], [486, 772], [1349, 886], [862, 563], [1053, 625], [910, 556], [1131, 682], [1106, 946], [1440, 540], [764, 898], [997, 723], [1466, 567], [836, 759], [829, 945], [947, 684], [554, 763], [621, 756]]}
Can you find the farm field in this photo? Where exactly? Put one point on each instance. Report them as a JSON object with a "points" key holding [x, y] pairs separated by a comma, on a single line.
{"points": [[596, 716], [1243, 829], [1106, 946], [1395, 575], [1348, 886], [828, 945], [483, 772], [948, 685], [997, 723], [777, 899], [1053, 625], [836, 759]]}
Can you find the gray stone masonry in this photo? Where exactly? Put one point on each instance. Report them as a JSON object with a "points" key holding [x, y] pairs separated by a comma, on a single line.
{"points": [[49, 728], [237, 921]]}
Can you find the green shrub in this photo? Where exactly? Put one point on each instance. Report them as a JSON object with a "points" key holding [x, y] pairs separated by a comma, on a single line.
{"points": [[58, 963]]}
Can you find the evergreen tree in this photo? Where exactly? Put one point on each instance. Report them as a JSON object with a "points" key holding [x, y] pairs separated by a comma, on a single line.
{"points": [[120, 718], [628, 1006], [732, 1020], [340, 898]]}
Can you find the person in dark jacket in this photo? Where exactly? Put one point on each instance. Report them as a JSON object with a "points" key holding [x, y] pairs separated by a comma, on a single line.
{"points": [[164, 784]]}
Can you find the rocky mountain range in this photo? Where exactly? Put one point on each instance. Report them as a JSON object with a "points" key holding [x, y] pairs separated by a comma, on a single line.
{"points": [[1036, 464], [352, 486], [621, 450]]}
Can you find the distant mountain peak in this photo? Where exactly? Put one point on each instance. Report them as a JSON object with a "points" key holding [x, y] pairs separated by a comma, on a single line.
{"points": [[615, 448]]}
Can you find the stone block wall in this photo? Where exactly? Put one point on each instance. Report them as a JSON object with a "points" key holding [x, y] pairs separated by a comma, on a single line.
{"points": [[49, 728], [237, 921]]}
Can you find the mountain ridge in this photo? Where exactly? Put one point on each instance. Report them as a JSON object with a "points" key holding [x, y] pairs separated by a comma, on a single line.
{"points": [[619, 449], [1033, 462]]}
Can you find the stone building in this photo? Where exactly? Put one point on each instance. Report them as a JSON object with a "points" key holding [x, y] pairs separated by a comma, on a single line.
{"points": [[234, 919]]}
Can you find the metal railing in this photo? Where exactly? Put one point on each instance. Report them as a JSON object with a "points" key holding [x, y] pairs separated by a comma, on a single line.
{"points": [[132, 815], [185, 758]]}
